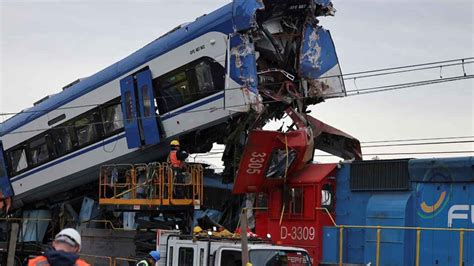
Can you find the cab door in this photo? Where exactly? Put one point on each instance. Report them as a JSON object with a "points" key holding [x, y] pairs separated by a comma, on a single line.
{"points": [[6, 190], [141, 120]]}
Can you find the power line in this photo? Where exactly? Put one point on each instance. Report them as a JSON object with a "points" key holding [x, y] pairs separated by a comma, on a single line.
{"points": [[365, 91], [221, 151], [406, 85], [418, 139], [463, 60], [415, 144], [347, 76], [388, 153], [405, 153], [405, 71]]}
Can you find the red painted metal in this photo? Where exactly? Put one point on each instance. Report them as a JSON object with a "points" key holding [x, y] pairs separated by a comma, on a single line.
{"points": [[257, 156], [301, 229]]}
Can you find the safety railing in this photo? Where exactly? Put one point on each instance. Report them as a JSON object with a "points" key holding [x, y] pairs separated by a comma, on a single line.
{"points": [[124, 261], [153, 184], [419, 230], [95, 260]]}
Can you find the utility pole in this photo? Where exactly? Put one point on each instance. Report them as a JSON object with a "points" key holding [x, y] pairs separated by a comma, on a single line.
{"points": [[12, 244], [243, 237]]}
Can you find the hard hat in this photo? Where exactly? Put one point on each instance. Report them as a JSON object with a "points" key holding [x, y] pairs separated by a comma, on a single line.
{"points": [[174, 142], [69, 236], [197, 229], [155, 255]]}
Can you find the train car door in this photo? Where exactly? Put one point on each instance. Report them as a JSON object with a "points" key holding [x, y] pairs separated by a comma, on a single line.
{"points": [[138, 105], [6, 190]]}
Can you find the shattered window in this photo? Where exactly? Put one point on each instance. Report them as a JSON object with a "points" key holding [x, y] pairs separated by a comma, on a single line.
{"points": [[204, 77], [280, 161], [112, 118], [18, 160], [39, 151]]}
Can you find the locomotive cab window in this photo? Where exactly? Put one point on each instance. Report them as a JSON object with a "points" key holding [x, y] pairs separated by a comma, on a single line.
{"points": [[280, 161], [294, 201], [327, 197]]}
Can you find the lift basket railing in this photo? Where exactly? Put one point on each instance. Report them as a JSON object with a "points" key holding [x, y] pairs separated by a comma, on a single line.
{"points": [[152, 184]]}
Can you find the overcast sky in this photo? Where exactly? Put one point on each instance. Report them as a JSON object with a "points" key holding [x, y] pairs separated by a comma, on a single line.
{"points": [[48, 44]]}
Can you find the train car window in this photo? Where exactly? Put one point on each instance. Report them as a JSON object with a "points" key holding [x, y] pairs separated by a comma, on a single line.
{"points": [[86, 129], [62, 140], [173, 90], [204, 77], [186, 257], [146, 101], [189, 83], [112, 119], [128, 107], [18, 160], [38, 150], [218, 76]]}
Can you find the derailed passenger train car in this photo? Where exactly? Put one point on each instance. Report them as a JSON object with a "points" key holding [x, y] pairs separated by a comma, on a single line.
{"points": [[202, 82]]}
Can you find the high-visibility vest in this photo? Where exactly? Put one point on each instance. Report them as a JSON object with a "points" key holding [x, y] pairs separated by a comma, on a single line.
{"points": [[43, 261], [173, 159], [143, 263]]}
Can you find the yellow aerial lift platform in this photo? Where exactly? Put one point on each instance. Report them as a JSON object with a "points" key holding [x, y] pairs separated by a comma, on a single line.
{"points": [[152, 185]]}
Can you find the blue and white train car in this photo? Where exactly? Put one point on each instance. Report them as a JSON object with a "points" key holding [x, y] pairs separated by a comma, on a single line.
{"points": [[197, 79]]}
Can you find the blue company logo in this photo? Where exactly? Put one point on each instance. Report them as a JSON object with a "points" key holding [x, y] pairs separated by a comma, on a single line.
{"points": [[434, 192]]}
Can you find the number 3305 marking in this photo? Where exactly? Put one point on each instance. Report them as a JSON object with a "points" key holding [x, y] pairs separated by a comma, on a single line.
{"points": [[256, 163]]}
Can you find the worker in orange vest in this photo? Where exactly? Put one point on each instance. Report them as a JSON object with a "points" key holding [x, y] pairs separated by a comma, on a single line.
{"points": [[176, 158], [66, 246]]}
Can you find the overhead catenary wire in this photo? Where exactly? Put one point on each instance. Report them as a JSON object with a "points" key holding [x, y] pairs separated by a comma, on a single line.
{"points": [[391, 153], [217, 151], [417, 139], [364, 91], [404, 153], [347, 76]]}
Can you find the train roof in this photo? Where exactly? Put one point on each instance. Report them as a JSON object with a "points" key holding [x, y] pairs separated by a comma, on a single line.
{"points": [[219, 20]]}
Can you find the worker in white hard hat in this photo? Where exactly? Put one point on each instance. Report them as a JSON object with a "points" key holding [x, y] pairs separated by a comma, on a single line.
{"points": [[176, 158], [66, 246]]}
